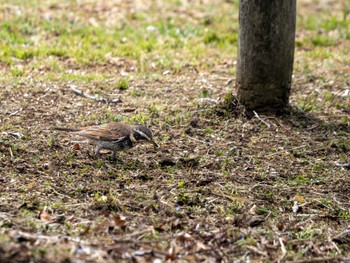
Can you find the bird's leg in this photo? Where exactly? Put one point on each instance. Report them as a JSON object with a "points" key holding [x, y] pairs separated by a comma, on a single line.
{"points": [[97, 150], [114, 157]]}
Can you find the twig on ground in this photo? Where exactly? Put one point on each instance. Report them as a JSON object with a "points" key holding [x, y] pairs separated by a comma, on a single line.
{"points": [[14, 134], [257, 251], [333, 116], [320, 259], [195, 139], [58, 193], [287, 150], [231, 198], [343, 165], [53, 238], [79, 92], [283, 248], [16, 112], [259, 118], [336, 247], [11, 152]]}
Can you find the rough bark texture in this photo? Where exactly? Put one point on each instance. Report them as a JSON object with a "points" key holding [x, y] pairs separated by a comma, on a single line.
{"points": [[265, 53]]}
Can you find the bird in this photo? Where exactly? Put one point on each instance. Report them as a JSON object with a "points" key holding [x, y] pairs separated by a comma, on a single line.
{"points": [[114, 136]]}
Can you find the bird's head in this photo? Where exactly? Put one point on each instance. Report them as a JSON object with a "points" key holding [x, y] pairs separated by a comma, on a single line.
{"points": [[143, 135]]}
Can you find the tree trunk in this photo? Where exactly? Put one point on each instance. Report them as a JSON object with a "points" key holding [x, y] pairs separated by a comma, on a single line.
{"points": [[265, 53]]}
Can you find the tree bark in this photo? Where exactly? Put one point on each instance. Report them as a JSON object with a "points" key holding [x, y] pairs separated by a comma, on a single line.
{"points": [[265, 53]]}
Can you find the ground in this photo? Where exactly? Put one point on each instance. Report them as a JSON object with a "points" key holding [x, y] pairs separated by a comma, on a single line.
{"points": [[222, 186]]}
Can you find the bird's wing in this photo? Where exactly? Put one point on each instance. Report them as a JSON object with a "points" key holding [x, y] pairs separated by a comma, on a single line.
{"points": [[106, 132]]}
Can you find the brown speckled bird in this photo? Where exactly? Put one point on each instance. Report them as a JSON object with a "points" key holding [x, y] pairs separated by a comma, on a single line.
{"points": [[114, 136]]}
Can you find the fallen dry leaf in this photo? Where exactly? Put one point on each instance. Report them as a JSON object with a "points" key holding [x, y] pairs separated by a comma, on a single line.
{"points": [[119, 220], [45, 216], [76, 147]]}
